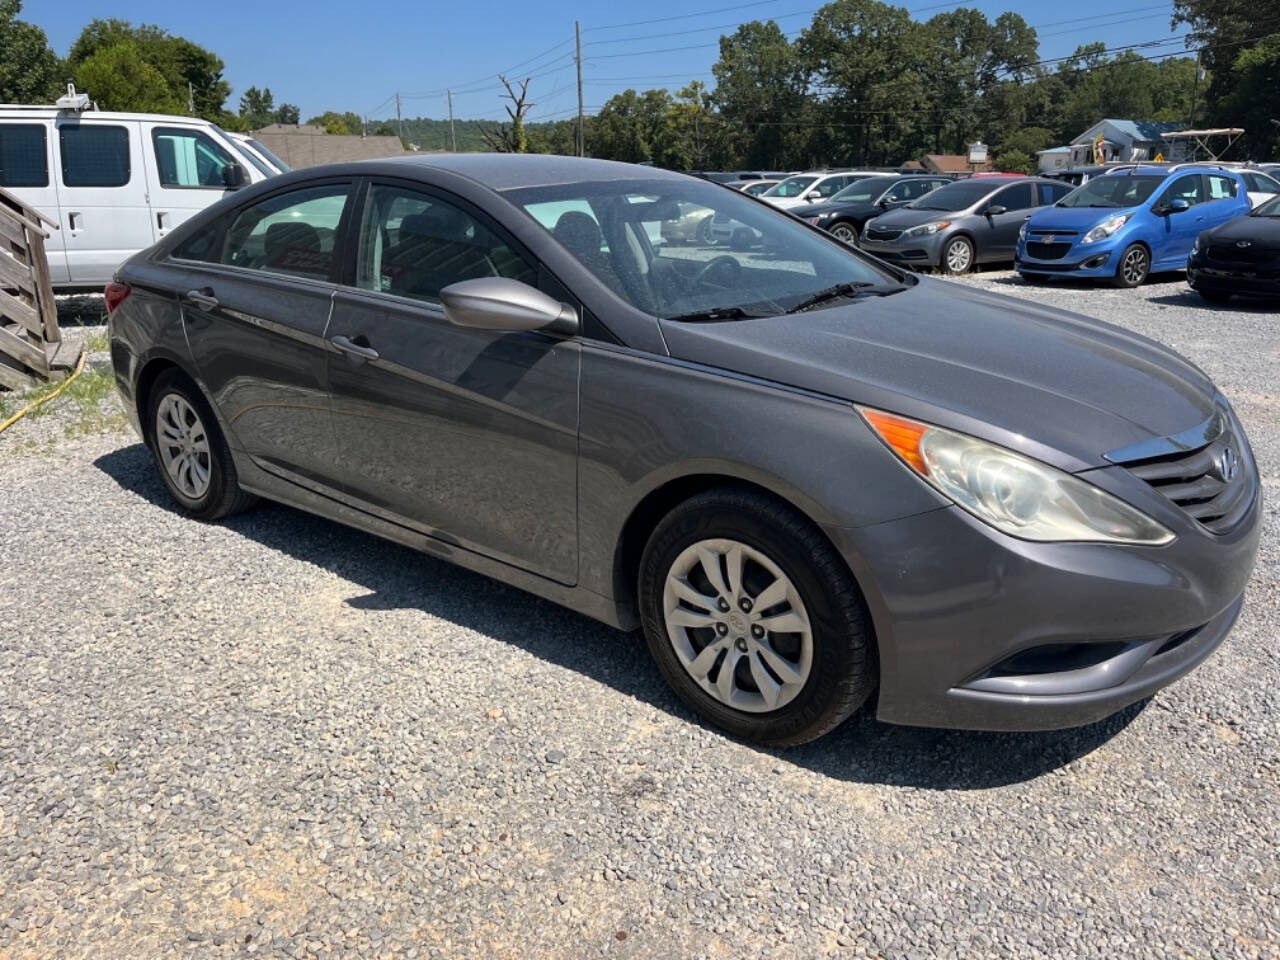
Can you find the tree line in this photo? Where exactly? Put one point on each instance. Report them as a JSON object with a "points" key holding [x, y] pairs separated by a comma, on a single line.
{"points": [[863, 83]]}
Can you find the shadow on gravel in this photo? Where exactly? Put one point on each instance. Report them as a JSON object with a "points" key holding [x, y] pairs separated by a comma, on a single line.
{"points": [[1191, 300], [1080, 283], [863, 750]]}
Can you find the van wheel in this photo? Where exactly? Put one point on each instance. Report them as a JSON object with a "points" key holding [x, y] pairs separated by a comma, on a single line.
{"points": [[957, 257], [1135, 264], [190, 451], [754, 619]]}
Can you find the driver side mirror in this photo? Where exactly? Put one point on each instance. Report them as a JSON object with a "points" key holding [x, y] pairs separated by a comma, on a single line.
{"points": [[233, 176], [996, 209], [1177, 205], [813, 195], [500, 303]]}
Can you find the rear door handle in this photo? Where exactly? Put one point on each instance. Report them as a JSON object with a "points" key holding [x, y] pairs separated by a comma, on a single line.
{"points": [[363, 351], [202, 299]]}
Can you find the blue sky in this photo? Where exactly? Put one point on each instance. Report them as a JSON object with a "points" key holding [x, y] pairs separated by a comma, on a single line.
{"points": [[340, 55]]}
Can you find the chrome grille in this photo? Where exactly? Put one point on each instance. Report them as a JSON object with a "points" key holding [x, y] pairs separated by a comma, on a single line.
{"points": [[1213, 480]]}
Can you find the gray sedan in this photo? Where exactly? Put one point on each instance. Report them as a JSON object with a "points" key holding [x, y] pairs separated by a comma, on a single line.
{"points": [[814, 480], [961, 225]]}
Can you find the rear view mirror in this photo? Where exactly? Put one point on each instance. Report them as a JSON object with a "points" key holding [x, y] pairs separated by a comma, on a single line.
{"points": [[233, 176], [499, 303], [996, 209]]}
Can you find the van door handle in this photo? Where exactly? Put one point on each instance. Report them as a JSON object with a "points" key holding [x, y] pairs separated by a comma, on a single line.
{"points": [[75, 221], [162, 221], [361, 350], [202, 299]]}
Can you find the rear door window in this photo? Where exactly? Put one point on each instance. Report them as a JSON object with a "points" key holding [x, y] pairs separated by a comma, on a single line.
{"points": [[189, 159], [1021, 196], [1221, 188], [24, 155], [94, 155], [293, 234]]}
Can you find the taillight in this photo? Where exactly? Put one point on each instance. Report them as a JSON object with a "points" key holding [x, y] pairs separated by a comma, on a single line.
{"points": [[115, 294]]}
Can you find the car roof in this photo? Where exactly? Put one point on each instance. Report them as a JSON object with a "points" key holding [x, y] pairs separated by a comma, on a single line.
{"points": [[508, 171], [12, 111]]}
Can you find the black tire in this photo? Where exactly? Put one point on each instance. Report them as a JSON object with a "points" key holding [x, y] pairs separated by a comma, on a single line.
{"points": [[843, 672], [223, 495], [845, 231], [1133, 268], [958, 270], [1215, 296]]}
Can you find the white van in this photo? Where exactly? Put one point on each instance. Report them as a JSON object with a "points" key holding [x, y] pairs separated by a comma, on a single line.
{"points": [[114, 182]]}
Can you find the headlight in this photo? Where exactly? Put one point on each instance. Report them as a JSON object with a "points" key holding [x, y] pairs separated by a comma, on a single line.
{"points": [[1106, 228], [817, 220], [927, 229], [1199, 244], [1015, 494], [1022, 231]]}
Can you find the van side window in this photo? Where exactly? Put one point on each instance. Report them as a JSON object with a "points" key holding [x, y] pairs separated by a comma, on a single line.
{"points": [[189, 159], [94, 155], [24, 155]]}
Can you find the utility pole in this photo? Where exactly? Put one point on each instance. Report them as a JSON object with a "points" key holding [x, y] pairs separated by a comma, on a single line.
{"points": [[453, 135], [577, 32], [399, 120]]}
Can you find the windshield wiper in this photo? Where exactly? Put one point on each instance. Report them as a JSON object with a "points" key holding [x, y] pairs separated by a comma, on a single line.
{"points": [[851, 289], [716, 313]]}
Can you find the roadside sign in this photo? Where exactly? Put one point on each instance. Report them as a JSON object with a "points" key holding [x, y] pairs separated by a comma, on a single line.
{"points": [[977, 153]]}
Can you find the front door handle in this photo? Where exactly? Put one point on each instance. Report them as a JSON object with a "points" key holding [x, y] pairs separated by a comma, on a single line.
{"points": [[202, 299], [361, 350]]}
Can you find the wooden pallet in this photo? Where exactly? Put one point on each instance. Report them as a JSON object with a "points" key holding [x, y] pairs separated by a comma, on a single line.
{"points": [[31, 346]]}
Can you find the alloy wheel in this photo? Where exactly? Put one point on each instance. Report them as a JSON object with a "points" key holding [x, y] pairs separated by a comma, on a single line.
{"points": [[183, 445], [737, 625], [1134, 266], [842, 231], [959, 255]]}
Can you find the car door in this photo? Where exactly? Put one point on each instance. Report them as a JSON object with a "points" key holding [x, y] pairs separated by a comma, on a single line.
{"points": [[256, 294], [187, 170], [467, 435], [1176, 230], [26, 162], [1000, 236], [102, 195], [1225, 199]]}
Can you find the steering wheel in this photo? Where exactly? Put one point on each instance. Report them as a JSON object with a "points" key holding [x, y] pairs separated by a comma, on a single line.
{"points": [[723, 271]]}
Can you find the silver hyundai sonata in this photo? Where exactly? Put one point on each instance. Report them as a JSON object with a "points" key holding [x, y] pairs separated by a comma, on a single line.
{"points": [[810, 477]]}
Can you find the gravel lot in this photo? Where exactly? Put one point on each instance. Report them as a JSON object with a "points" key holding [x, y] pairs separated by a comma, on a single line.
{"points": [[280, 737]]}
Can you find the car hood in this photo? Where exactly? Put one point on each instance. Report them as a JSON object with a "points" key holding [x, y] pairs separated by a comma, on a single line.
{"points": [[818, 209], [1055, 385], [1264, 231], [905, 217], [1077, 219]]}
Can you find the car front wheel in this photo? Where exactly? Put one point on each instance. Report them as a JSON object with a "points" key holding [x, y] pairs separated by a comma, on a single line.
{"points": [[957, 256], [190, 451], [845, 232], [754, 619], [1135, 264]]}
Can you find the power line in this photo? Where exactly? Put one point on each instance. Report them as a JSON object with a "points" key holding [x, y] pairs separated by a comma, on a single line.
{"points": [[682, 16]]}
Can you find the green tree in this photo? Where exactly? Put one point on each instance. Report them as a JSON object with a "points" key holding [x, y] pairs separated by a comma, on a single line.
{"points": [[30, 72], [118, 78], [338, 123], [1027, 141], [1015, 161], [633, 127], [696, 134], [287, 113], [184, 68], [257, 107], [761, 93]]}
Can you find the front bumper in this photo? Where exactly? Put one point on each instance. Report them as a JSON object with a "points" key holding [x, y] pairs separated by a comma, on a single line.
{"points": [[1095, 261], [1247, 280], [923, 251], [951, 599]]}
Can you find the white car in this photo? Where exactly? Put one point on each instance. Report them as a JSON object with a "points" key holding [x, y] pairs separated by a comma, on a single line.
{"points": [[115, 183], [811, 187], [1260, 185], [258, 153]]}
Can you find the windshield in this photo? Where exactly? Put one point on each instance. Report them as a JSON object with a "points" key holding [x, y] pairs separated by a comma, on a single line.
{"points": [[1269, 209], [677, 248], [864, 191], [1113, 190], [959, 195], [790, 187], [263, 149]]}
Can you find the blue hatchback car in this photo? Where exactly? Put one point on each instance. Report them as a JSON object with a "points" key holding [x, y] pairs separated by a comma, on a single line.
{"points": [[1123, 225]]}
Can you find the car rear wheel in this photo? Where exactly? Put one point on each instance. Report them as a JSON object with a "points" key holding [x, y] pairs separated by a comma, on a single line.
{"points": [[754, 619], [845, 232], [190, 451], [957, 256], [1135, 264]]}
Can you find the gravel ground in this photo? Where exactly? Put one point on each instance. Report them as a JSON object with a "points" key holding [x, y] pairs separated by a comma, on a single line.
{"points": [[279, 737]]}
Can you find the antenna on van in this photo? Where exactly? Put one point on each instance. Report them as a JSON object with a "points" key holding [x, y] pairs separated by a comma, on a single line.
{"points": [[73, 101]]}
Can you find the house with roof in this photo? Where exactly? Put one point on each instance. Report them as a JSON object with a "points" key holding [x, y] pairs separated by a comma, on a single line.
{"points": [[1121, 140], [951, 163], [1053, 159]]}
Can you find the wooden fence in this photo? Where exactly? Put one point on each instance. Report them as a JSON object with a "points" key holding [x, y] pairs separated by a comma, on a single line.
{"points": [[31, 347]]}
